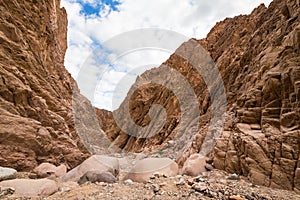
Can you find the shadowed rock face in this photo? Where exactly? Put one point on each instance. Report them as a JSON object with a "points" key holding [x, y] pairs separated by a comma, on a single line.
{"points": [[36, 119], [259, 60]]}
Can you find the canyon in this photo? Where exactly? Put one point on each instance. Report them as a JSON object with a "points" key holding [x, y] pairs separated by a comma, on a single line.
{"points": [[45, 119], [258, 58]]}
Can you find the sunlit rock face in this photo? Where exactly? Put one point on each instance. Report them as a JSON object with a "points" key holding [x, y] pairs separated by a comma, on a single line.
{"points": [[36, 118], [258, 57]]}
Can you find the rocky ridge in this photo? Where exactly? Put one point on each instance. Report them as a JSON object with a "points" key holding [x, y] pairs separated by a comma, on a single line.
{"points": [[258, 56]]}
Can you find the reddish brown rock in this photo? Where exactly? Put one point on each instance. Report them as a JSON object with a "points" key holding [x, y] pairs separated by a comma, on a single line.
{"points": [[145, 168], [258, 58], [37, 123], [93, 163], [47, 170], [194, 165], [31, 188]]}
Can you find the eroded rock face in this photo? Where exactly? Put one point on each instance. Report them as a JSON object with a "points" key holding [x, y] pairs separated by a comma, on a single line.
{"points": [[258, 58], [264, 143], [37, 122]]}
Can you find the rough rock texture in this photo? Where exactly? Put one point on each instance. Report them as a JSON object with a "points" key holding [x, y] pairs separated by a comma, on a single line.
{"points": [[145, 168], [97, 176], [260, 68], [7, 173], [36, 119], [47, 170], [194, 165], [258, 56], [29, 187], [94, 163]]}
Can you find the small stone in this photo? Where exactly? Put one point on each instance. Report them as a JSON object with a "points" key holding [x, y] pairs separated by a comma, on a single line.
{"points": [[178, 176], [102, 184], [128, 181], [156, 174], [199, 179], [236, 198], [249, 197], [165, 176], [162, 184], [199, 187], [6, 191], [171, 142], [180, 182], [190, 181], [209, 167], [213, 194], [233, 177], [155, 188]]}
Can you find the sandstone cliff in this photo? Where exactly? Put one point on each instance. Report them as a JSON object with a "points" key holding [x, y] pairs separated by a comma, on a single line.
{"points": [[258, 56], [36, 118]]}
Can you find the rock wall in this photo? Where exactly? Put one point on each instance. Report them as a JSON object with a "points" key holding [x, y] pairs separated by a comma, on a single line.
{"points": [[36, 117], [262, 136], [258, 57]]}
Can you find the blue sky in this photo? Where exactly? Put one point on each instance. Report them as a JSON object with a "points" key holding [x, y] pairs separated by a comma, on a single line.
{"points": [[93, 22], [96, 7]]}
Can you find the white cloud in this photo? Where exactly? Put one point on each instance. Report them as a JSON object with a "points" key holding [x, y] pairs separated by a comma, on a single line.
{"points": [[192, 18]]}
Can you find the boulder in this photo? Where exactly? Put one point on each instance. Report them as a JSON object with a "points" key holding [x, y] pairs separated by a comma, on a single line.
{"points": [[94, 163], [145, 168], [194, 165], [30, 187], [97, 176], [7, 173], [47, 170]]}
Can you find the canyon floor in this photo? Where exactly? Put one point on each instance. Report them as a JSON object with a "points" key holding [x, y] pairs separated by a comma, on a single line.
{"points": [[211, 185]]}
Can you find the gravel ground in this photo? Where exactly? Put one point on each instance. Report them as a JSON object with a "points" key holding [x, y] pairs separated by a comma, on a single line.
{"points": [[211, 185]]}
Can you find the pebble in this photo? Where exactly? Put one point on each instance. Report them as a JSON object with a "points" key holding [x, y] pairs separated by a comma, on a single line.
{"points": [[162, 184], [199, 179], [155, 188], [180, 182], [156, 174], [6, 191], [233, 177], [128, 181], [190, 181], [199, 187], [179, 176], [171, 142], [209, 167]]}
